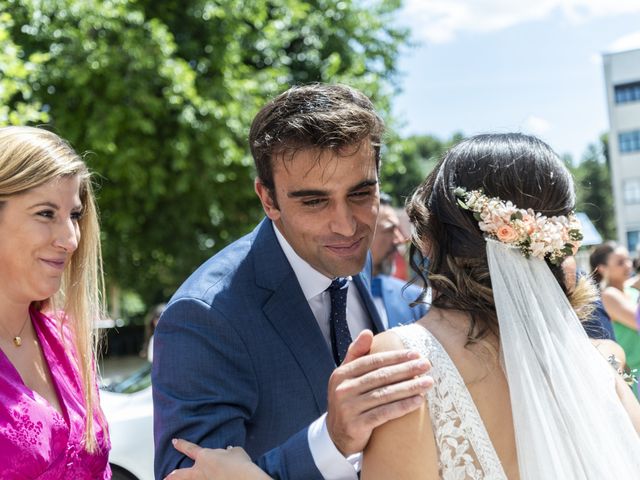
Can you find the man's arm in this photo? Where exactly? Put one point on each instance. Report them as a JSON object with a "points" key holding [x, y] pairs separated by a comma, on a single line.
{"points": [[205, 389], [203, 385]]}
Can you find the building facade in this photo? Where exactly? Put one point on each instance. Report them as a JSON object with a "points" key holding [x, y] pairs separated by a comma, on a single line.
{"points": [[622, 79]]}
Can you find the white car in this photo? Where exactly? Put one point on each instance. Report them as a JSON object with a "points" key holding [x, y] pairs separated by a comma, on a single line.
{"points": [[128, 407]]}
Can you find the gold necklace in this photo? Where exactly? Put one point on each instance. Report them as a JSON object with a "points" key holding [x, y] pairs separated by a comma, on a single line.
{"points": [[17, 340]]}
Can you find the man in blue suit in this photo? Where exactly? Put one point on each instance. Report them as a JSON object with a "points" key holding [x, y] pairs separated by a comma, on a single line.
{"points": [[252, 349], [392, 296]]}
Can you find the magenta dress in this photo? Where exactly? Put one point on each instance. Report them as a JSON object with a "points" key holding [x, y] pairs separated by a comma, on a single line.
{"points": [[37, 442]]}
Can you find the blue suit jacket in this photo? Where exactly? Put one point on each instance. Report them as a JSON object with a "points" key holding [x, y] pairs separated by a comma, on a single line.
{"points": [[396, 300], [240, 360]]}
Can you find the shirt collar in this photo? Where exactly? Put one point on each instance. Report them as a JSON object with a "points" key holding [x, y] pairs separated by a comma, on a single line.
{"points": [[311, 281]]}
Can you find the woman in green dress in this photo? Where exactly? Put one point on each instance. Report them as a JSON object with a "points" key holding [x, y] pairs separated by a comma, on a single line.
{"points": [[612, 270]]}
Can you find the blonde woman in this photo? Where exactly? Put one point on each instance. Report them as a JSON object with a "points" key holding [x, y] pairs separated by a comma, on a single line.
{"points": [[51, 425]]}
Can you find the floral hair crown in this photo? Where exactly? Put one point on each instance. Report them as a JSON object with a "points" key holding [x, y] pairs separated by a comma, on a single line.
{"points": [[552, 238]]}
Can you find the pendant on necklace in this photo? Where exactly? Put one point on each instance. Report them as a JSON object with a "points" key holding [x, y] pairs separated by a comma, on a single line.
{"points": [[17, 341]]}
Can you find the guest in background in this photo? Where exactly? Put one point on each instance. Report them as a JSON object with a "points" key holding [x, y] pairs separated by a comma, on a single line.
{"points": [[597, 323], [51, 425], [612, 270], [392, 296]]}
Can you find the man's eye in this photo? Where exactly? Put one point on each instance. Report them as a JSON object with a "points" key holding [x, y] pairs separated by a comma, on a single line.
{"points": [[316, 202], [361, 194]]}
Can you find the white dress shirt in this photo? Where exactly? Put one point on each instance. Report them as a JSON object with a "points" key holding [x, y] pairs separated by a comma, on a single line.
{"points": [[331, 463]]}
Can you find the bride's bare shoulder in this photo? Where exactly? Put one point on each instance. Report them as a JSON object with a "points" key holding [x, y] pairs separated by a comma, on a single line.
{"points": [[433, 322], [386, 342]]}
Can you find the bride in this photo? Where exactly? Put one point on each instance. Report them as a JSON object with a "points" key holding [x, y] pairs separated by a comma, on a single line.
{"points": [[519, 391]]}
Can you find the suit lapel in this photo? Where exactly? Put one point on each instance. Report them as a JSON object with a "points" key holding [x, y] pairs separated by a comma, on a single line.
{"points": [[289, 313], [363, 282], [364, 288]]}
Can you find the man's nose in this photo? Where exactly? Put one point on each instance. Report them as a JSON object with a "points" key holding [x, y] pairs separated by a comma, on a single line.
{"points": [[398, 236], [343, 222]]}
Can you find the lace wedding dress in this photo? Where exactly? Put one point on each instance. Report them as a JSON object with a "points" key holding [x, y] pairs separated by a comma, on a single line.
{"points": [[465, 451], [569, 422]]}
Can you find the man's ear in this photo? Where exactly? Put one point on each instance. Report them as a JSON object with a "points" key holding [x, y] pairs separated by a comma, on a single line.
{"points": [[267, 198]]}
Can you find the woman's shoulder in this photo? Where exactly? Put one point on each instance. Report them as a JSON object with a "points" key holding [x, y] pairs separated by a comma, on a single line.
{"points": [[610, 292], [387, 341], [57, 331], [57, 323], [412, 336]]}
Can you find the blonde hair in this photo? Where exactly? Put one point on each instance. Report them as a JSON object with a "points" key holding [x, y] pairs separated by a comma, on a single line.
{"points": [[29, 158]]}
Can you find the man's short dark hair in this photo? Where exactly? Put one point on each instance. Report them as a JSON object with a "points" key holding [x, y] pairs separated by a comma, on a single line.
{"points": [[312, 116]]}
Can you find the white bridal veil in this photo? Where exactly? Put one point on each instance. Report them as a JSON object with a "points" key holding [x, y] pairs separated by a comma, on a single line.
{"points": [[569, 422]]}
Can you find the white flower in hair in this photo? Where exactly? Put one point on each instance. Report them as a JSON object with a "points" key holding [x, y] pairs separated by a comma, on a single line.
{"points": [[551, 238]]}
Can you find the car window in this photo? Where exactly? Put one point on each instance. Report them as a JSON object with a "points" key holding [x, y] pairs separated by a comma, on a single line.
{"points": [[139, 380]]}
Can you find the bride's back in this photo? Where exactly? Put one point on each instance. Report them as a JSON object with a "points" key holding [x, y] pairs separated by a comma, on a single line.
{"points": [[465, 429], [479, 367]]}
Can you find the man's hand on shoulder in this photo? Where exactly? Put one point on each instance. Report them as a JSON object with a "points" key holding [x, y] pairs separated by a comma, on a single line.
{"points": [[368, 390]]}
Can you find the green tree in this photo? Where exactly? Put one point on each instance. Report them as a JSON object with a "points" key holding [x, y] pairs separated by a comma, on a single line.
{"points": [[593, 188], [162, 94], [17, 78]]}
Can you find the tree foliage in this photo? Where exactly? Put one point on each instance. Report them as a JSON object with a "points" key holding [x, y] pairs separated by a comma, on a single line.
{"points": [[593, 188], [162, 93], [17, 75], [408, 161]]}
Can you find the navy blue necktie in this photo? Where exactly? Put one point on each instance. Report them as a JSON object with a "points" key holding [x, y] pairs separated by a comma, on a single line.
{"points": [[340, 336]]}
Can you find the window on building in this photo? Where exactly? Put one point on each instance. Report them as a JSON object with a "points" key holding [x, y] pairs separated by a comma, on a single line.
{"points": [[632, 241], [629, 92], [631, 191], [629, 141]]}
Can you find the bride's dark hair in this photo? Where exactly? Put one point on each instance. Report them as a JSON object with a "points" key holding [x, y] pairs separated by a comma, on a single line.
{"points": [[510, 166]]}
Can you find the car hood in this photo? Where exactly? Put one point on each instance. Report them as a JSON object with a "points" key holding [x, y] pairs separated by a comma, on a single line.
{"points": [[121, 406]]}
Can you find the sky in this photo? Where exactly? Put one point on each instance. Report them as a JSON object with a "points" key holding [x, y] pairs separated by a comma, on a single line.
{"points": [[533, 66]]}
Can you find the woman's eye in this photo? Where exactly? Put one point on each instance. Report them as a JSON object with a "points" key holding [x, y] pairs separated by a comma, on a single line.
{"points": [[46, 213], [76, 216]]}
